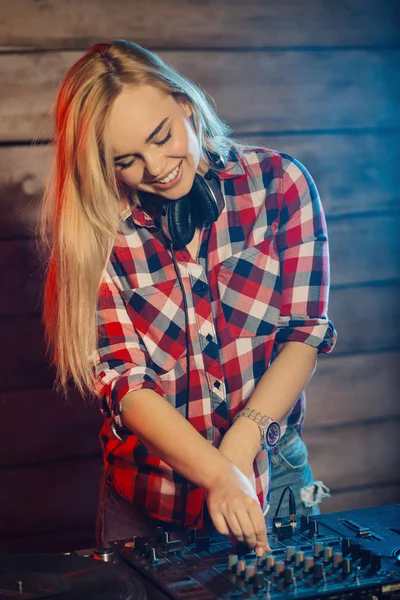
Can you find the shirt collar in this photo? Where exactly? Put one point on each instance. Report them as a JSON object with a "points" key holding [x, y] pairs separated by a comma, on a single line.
{"points": [[234, 168]]}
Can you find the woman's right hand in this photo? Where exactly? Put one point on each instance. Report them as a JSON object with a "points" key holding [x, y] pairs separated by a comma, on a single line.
{"points": [[234, 509]]}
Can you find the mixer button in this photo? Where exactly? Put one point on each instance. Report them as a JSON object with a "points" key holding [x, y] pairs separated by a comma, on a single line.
{"points": [[258, 580], [261, 560], [232, 561], [346, 568], [270, 564], [346, 546], [365, 557], [288, 576], [304, 522], [355, 550], [279, 568], [376, 562], [308, 564], [153, 556], [318, 549], [299, 558], [240, 567], [328, 551], [314, 528], [318, 571], [337, 559], [249, 573], [290, 552]]}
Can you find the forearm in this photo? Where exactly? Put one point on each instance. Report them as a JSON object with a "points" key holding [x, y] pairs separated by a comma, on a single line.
{"points": [[274, 395], [172, 438]]}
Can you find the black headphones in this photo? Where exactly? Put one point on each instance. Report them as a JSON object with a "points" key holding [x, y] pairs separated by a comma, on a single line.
{"points": [[203, 204]]}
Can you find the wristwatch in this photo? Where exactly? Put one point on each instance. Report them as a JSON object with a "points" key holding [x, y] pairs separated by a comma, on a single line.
{"points": [[270, 430]]}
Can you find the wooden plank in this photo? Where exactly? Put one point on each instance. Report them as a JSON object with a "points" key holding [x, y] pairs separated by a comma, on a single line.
{"points": [[23, 275], [200, 24], [289, 90], [355, 455], [357, 313], [375, 495], [346, 389], [347, 169], [49, 427], [60, 495]]}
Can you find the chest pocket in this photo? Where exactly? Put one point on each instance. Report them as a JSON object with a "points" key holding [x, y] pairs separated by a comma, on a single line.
{"points": [[250, 291], [157, 312]]}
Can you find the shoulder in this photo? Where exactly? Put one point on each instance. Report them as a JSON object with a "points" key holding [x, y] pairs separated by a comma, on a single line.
{"points": [[258, 160]]}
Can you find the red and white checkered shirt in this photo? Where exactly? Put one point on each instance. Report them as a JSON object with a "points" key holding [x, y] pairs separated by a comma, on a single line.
{"points": [[261, 278]]}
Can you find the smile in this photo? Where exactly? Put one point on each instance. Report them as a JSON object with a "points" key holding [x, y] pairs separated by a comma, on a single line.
{"points": [[172, 179]]}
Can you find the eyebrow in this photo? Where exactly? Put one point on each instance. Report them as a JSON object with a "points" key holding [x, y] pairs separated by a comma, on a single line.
{"points": [[148, 139]]}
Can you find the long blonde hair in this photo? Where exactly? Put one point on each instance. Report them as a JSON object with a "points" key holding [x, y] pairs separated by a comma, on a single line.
{"points": [[83, 200]]}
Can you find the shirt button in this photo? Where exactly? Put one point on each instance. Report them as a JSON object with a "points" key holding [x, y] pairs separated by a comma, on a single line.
{"points": [[209, 337], [221, 430], [217, 384]]}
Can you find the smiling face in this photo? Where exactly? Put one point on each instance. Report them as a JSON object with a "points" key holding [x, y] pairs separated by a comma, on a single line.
{"points": [[154, 145]]}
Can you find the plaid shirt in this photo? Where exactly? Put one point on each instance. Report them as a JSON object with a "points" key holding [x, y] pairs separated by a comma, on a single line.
{"points": [[261, 278]]}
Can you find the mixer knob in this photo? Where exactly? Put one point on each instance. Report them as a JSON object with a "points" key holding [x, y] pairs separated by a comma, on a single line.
{"points": [[240, 567], [299, 558], [288, 576], [318, 571], [104, 554], [139, 542], [279, 568], [318, 549], [165, 538], [337, 560], [261, 560], [249, 573], [153, 556], [328, 551], [346, 568], [270, 564], [346, 546], [146, 550], [258, 580], [232, 561], [376, 562], [355, 550], [304, 522], [308, 564], [290, 552], [313, 528], [365, 557]]}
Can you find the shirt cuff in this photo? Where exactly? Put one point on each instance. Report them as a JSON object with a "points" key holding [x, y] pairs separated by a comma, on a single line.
{"points": [[319, 333]]}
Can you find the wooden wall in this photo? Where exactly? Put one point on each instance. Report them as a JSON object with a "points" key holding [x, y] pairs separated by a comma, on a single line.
{"points": [[308, 77]]}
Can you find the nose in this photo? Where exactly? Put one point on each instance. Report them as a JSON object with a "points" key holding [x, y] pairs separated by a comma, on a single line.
{"points": [[153, 166]]}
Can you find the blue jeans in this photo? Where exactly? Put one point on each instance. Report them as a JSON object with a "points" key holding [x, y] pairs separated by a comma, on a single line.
{"points": [[118, 519]]}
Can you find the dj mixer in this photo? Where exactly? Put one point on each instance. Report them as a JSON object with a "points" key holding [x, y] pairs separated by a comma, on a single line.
{"points": [[346, 555]]}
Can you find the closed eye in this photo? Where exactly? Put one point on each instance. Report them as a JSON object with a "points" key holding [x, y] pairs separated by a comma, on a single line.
{"points": [[161, 143]]}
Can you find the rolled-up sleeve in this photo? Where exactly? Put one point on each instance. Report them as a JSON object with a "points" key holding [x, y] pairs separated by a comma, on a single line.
{"points": [[302, 244], [122, 364]]}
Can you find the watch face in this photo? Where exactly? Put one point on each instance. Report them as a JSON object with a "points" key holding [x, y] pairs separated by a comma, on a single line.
{"points": [[273, 434]]}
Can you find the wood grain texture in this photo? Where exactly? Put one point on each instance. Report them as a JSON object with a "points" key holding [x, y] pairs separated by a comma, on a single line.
{"points": [[61, 495], [374, 495], [348, 170], [22, 277], [355, 454], [357, 314], [48, 427], [349, 389], [196, 23], [278, 91]]}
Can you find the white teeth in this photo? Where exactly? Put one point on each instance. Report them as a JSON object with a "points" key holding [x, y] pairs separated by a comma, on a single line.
{"points": [[170, 177]]}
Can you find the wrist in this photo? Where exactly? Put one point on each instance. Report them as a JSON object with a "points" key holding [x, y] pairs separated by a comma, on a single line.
{"points": [[242, 441]]}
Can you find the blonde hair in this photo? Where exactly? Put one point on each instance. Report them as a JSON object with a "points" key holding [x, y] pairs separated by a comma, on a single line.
{"points": [[83, 200]]}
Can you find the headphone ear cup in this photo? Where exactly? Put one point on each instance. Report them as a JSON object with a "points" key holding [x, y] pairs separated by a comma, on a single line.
{"points": [[178, 222], [202, 201]]}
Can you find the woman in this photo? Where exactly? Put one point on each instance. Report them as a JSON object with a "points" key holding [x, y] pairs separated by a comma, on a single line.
{"points": [[187, 287]]}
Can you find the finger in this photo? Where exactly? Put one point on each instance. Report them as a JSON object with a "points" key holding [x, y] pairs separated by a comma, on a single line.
{"points": [[246, 526], [258, 523], [234, 526], [220, 523]]}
